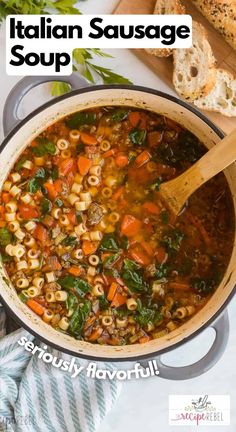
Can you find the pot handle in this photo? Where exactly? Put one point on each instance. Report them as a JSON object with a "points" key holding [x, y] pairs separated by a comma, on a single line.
{"points": [[10, 118], [221, 327]]}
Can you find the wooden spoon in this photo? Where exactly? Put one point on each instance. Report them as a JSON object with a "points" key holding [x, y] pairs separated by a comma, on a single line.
{"points": [[175, 193]]}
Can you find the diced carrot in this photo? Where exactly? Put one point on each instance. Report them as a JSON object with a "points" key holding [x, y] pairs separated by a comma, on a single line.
{"points": [[41, 233], [130, 226], [139, 255], [109, 153], [75, 271], [146, 246], [142, 158], [35, 306], [112, 291], [154, 138], [2, 210], [144, 339], [121, 160], [52, 193], [118, 300], [152, 208], [179, 286], [84, 165], [27, 211], [88, 139], [6, 197], [117, 194], [95, 334], [2, 224], [161, 255], [70, 178], [66, 165], [72, 217], [134, 118], [89, 247]]}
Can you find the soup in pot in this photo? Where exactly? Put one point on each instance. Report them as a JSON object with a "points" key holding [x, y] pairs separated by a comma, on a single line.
{"points": [[86, 241]]}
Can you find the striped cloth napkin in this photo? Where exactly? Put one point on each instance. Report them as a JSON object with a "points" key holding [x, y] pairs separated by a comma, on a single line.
{"points": [[37, 397]]}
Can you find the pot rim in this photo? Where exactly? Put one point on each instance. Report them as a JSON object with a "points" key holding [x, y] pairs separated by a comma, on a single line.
{"points": [[90, 89]]}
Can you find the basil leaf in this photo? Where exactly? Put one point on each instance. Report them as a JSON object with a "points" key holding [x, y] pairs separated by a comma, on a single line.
{"points": [[138, 136], [109, 243], [81, 118], [78, 319], [46, 206], [79, 285], [119, 115], [5, 237]]}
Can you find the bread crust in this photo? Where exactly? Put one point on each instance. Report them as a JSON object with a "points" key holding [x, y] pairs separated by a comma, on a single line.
{"points": [[202, 89], [227, 105], [222, 15], [166, 7]]}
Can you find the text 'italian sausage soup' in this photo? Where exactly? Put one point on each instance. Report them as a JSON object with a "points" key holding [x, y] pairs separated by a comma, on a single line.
{"points": [[86, 241]]}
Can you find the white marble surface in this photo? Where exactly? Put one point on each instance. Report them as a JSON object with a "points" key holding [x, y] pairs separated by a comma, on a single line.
{"points": [[143, 404]]}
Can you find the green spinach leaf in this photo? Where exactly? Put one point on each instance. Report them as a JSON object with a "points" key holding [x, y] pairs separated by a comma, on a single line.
{"points": [[138, 136], [5, 237], [78, 319], [81, 118], [78, 284]]}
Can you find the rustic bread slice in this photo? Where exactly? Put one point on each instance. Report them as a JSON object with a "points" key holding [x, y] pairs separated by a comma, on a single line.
{"points": [[222, 15], [166, 7], [194, 68], [222, 97]]}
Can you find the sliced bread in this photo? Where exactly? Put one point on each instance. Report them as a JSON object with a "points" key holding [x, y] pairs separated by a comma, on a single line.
{"points": [[194, 68], [166, 7], [222, 97], [222, 15]]}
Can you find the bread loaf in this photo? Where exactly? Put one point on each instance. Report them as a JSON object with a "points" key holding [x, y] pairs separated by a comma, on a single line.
{"points": [[166, 7], [222, 15], [222, 97], [194, 68]]}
